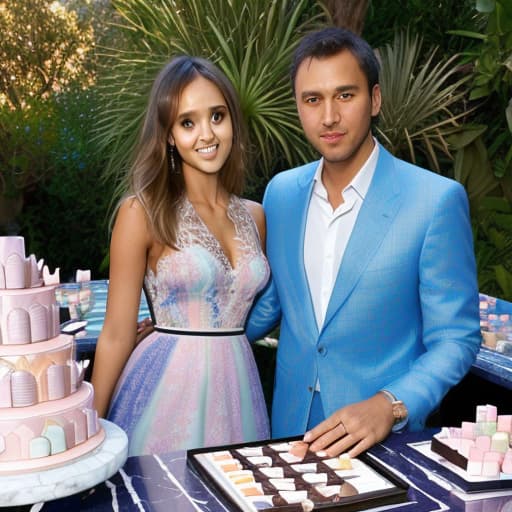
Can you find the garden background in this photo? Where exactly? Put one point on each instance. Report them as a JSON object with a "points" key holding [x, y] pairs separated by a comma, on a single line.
{"points": [[75, 74]]}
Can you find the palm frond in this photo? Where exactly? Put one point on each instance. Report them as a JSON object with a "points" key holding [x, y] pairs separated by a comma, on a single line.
{"points": [[251, 42], [421, 102]]}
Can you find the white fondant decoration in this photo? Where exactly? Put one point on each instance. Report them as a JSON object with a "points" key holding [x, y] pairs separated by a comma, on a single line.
{"points": [[39, 447], [18, 327], [69, 433], [92, 421], [14, 272], [2, 276], [74, 373], [55, 434], [56, 382], [38, 323], [80, 428], [51, 279], [34, 274], [83, 275], [2, 443], [23, 389], [54, 321], [5, 390], [24, 433]]}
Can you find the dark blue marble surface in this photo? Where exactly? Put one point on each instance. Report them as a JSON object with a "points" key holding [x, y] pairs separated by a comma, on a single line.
{"points": [[494, 367], [165, 483]]}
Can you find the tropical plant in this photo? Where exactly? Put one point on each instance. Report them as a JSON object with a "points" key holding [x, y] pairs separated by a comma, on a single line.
{"points": [[434, 23], [251, 42], [421, 103], [492, 83], [492, 228]]}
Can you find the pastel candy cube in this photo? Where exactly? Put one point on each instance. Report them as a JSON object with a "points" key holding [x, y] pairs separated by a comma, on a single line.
{"points": [[504, 423], [491, 464], [500, 442], [483, 442], [465, 445], [475, 461], [492, 413], [506, 466], [486, 428], [468, 430], [452, 442], [481, 413]]}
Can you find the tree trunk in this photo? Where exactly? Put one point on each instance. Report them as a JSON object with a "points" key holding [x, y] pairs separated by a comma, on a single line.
{"points": [[348, 13]]}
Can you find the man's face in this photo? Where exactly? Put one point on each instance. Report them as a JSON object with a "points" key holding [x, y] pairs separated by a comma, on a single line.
{"points": [[335, 109]]}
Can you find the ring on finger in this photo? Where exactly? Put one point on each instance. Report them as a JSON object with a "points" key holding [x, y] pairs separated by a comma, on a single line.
{"points": [[341, 424]]}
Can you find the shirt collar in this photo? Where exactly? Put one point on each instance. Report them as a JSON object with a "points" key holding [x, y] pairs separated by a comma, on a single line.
{"points": [[361, 181]]}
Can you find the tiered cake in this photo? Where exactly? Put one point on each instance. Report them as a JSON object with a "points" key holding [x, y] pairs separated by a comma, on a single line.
{"points": [[46, 409]]}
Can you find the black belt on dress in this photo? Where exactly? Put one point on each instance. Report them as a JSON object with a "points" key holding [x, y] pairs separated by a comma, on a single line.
{"points": [[187, 332]]}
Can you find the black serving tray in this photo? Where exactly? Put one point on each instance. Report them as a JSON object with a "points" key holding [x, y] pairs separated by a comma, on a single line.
{"points": [[395, 494]]}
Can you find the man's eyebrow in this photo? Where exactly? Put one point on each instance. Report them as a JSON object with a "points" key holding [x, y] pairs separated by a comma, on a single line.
{"points": [[341, 88]]}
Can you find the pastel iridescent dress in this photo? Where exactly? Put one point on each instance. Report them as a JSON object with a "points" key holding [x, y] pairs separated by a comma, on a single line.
{"points": [[180, 391]]}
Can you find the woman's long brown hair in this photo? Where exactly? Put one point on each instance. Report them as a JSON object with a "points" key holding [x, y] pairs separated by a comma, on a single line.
{"points": [[150, 179]]}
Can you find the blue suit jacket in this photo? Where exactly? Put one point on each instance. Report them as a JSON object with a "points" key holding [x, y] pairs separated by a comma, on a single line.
{"points": [[403, 315]]}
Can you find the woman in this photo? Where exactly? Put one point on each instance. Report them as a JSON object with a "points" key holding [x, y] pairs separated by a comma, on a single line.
{"points": [[184, 233]]}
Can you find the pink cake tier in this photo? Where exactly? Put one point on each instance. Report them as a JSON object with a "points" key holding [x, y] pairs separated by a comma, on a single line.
{"points": [[28, 316], [47, 434], [38, 372]]}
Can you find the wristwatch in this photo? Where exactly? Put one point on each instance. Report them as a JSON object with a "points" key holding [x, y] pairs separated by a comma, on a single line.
{"points": [[400, 412]]}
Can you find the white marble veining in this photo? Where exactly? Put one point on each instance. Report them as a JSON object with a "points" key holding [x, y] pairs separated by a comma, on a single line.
{"points": [[86, 472]]}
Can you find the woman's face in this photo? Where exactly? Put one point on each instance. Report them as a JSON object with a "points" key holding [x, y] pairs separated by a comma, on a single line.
{"points": [[202, 131]]}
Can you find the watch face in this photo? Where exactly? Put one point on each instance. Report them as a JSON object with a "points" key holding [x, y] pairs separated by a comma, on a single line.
{"points": [[399, 411]]}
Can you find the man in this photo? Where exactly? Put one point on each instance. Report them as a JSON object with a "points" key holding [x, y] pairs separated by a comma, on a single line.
{"points": [[373, 267]]}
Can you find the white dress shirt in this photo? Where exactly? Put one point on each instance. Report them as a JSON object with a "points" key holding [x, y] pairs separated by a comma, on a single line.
{"points": [[328, 232]]}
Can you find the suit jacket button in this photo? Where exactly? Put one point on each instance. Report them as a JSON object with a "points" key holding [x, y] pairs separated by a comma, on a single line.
{"points": [[310, 388], [322, 350]]}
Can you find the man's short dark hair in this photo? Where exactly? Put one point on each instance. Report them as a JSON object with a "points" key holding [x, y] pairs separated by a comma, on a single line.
{"points": [[331, 41]]}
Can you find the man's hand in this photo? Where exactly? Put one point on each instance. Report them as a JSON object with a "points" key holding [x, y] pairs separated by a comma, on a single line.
{"points": [[356, 427], [144, 327]]}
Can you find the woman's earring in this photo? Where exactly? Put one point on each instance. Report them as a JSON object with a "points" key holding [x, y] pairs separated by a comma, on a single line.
{"points": [[170, 159]]}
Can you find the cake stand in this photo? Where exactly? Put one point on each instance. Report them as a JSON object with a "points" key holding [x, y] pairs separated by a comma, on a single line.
{"points": [[79, 475]]}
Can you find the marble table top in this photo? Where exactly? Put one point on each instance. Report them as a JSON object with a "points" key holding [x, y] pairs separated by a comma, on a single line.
{"points": [[164, 483]]}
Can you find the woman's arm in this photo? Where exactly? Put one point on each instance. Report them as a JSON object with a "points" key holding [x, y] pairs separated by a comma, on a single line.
{"points": [[128, 258]]}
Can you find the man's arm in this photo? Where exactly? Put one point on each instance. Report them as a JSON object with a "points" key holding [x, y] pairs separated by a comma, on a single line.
{"points": [[265, 313]]}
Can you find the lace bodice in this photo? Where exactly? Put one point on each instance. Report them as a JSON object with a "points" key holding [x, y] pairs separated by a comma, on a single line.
{"points": [[196, 287]]}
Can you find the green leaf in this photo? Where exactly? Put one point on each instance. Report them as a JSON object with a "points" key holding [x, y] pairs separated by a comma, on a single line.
{"points": [[485, 6]]}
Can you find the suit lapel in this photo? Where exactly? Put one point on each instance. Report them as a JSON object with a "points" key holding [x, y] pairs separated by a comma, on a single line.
{"points": [[295, 257], [375, 217]]}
